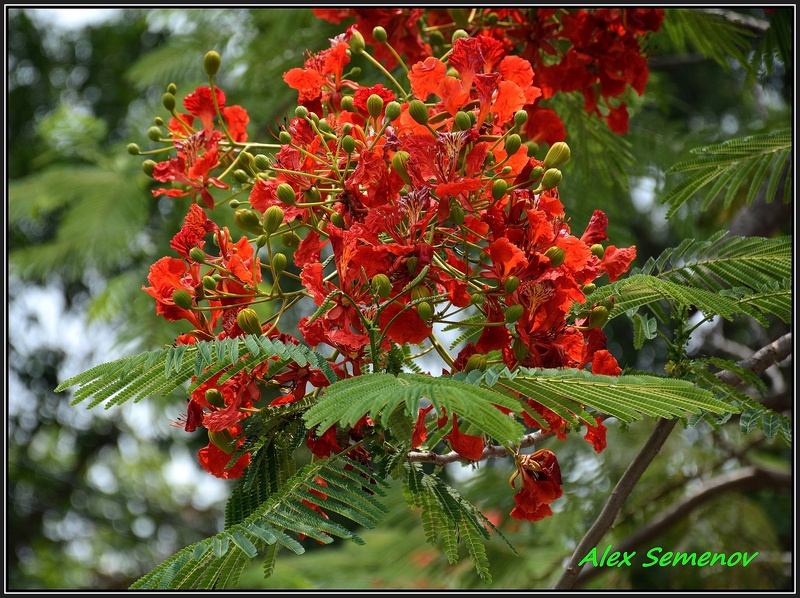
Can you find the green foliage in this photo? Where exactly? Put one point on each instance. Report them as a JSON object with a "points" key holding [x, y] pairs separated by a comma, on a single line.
{"points": [[733, 164]]}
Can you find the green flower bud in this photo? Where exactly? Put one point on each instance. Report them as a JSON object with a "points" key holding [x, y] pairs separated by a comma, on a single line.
{"points": [[209, 283], [348, 144], [411, 264], [462, 121], [357, 43], [148, 166], [588, 289], [536, 172], [133, 149], [557, 155], [261, 162], [381, 285], [608, 303], [475, 299], [249, 321], [214, 397], [520, 118], [552, 178], [172, 88], [182, 298], [223, 440], [301, 112], [248, 220], [273, 219], [393, 110], [476, 362], [418, 111], [312, 195], [420, 292], [379, 34], [154, 133], [347, 103], [425, 311], [159, 121], [598, 250], [514, 313], [399, 161], [512, 144], [240, 176], [337, 220], [556, 255], [456, 212], [169, 101], [458, 34], [532, 148], [211, 63], [374, 105], [279, 263], [233, 204], [285, 137], [499, 188], [597, 317], [520, 349], [197, 255], [286, 194], [512, 283], [290, 239]]}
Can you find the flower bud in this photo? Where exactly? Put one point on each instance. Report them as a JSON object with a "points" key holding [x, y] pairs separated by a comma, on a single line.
{"points": [[475, 299], [301, 112], [597, 317], [337, 220], [312, 194], [211, 63], [223, 440], [154, 133], [159, 121], [286, 194], [348, 144], [499, 188], [393, 110], [279, 263], [418, 111], [608, 303], [399, 161], [169, 101], [411, 264], [557, 155], [476, 362], [248, 321], [209, 283], [347, 103], [520, 349], [248, 220], [381, 285], [290, 239], [379, 34], [214, 398], [556, 255], [536, 172], [514, 313], [420, 292], [197, 255], [273, 219], [512, 144], [374, 105], [148, 166], [233, 204], [425, 311], [261, 162], [285, 137], [133, 149], [172, 88], [462, 121], [520, 117], [552, 178], [182, 298], [357, 44], [458, 34], [598, 250], [588, 289], [240, 176], [512, 283], [456, 212]]}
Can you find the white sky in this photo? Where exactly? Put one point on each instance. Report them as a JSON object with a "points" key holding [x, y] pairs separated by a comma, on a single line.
{"points": [[73, 18]]}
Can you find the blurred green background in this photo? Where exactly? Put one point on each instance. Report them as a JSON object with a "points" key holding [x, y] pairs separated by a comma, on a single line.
{"points": [[97, 498]]}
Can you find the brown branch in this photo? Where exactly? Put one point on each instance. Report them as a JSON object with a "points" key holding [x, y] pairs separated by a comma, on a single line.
{"points": [[490, 452], [775, 352]]}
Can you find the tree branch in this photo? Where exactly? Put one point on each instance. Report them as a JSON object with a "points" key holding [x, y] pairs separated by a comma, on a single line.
{"points": [[775, 352]]}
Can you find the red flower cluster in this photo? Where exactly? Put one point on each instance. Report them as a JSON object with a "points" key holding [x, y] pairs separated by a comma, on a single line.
{"points": [[426, 205]]}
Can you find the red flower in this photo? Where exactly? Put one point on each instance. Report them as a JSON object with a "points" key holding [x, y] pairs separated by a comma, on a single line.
{"points": [[468, 446], [596, 435], [540, 485]]}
